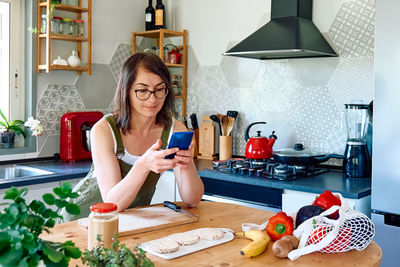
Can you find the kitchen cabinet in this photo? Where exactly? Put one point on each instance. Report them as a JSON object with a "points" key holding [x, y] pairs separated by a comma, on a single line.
{"points": [[46, 40], [34, 191], [160, 38], [293, 200]]}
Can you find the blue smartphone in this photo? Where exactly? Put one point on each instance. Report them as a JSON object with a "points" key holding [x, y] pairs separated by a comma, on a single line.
{"points": [[181, 140]]}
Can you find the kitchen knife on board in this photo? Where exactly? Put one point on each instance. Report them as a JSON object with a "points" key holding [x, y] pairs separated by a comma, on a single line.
{"points": [[177, 208]]}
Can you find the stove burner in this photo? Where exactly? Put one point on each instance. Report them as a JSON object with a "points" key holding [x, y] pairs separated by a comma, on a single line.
{"points": [[266, 168], [281, 169]]}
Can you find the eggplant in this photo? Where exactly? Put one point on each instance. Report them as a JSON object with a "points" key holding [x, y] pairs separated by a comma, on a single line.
{"points": [[307, 212]]}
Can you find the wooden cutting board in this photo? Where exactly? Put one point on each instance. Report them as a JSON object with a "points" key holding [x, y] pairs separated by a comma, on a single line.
{"points": [[149, 218], [206, 139]]}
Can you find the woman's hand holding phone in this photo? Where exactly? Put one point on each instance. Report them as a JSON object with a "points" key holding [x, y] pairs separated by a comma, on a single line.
{"points": [[154, 158], [184, 141], [184, 156]]}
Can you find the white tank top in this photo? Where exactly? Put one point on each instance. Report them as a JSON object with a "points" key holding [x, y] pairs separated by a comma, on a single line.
{"points": [[128, 157]]}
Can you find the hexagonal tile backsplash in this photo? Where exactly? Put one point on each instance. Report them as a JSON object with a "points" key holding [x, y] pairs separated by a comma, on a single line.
{"points": [[55, 101], [352, 31]]}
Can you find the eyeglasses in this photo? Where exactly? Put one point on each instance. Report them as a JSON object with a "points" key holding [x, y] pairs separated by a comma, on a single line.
{"points": [[144, 94]]}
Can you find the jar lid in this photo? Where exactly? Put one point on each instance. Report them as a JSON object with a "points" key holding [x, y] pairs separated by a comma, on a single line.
{"points": [[78, 21], [60, 18], [103, 207], [67, 19]]}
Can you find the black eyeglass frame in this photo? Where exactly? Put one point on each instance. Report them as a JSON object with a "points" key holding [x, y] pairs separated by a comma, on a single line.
{"points": [[152, 92]]}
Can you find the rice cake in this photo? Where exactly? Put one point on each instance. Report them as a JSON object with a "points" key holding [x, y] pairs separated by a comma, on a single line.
{"points": [[185, 238], [209, 233], [164, 245]]}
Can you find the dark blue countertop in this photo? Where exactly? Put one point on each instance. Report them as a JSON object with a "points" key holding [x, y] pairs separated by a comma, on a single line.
{"points": [[334, 181], [61, 171]]}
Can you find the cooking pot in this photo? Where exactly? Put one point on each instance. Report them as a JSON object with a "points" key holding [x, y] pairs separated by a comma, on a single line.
{"points": [[300, 155], [258, 147]]}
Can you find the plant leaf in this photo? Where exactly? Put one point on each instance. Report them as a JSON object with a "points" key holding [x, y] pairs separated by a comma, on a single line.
{"points": [[66, 188], [4, 119], [3, 124], [17, 123], [49, 223], [51, 252], [73, 195], [23, 192], [72, 251], [59, 193], [49, 198], [10, 257], [11, 193], [73, 209], [24, 262], [60, 203], [17, 129]]}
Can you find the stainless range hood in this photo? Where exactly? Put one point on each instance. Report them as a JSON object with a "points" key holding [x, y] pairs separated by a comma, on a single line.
{"points": [[290, 34]]}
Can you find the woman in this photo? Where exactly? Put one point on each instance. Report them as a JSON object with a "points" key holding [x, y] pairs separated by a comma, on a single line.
{"points": [[128, 146]]}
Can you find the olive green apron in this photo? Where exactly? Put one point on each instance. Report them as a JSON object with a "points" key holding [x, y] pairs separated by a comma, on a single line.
{"points": [[88, 189]]}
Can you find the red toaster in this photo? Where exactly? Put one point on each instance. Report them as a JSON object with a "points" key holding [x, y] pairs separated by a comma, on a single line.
{"points": [[75, 135]]}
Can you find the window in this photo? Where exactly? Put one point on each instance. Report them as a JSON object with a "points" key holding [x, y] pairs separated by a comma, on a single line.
{"points": [[12, 58]]}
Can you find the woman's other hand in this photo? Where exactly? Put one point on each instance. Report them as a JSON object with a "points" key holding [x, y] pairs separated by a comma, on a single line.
{"points": [[184, 157], [154, 158]]}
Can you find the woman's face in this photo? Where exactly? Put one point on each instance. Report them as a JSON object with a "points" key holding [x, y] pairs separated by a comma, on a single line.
{"points": [[146, 80]]}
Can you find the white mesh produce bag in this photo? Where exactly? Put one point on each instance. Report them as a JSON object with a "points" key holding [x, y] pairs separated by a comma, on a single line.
{"points": [[352, 230]]}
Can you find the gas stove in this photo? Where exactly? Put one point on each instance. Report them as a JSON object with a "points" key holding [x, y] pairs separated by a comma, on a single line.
{"points": [[266, 168]]}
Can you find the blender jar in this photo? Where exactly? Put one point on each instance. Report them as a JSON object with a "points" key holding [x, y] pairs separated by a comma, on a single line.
{"points": [[357, 117], [357, 162]]}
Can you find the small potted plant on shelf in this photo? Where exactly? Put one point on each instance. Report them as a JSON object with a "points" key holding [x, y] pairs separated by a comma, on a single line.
{"points": [[10, 129], [21, 225]]}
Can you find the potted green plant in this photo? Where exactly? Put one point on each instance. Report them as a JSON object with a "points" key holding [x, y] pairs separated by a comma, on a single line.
{"points": [[9, 129], [21, 225]]}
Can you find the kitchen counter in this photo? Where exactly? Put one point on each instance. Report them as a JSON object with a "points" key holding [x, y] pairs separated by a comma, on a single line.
{"points": [[60, 171], [213, 214], [332, 180]]}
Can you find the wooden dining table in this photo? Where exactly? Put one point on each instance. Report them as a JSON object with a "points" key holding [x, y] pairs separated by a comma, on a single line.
{"points": [[216, 214]]}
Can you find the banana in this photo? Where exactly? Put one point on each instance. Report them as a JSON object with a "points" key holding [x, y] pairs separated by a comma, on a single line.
{"points": [[259, 244]]}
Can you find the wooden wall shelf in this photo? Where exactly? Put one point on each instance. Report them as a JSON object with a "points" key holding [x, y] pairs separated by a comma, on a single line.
{"points": [[44, 39], [159, 36]]}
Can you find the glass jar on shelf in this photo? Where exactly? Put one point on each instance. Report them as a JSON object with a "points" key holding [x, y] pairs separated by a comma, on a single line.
{"points": [[43, 25], [176, 84], [80, 27], [67, 27], [56, 25]]}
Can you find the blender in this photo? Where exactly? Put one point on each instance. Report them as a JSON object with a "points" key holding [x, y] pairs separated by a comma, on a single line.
{"points": [[357, 161]]}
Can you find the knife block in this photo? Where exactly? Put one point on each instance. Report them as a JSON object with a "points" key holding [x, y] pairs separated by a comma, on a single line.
{"points": [[206, 139], [196, 139]]}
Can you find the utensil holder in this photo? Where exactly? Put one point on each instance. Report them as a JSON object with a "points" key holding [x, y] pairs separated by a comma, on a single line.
{"points": [[225, 147]]}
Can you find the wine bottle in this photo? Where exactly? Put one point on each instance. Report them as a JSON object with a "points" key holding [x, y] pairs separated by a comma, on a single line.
{"points": [[160, 15], [150, 16]]}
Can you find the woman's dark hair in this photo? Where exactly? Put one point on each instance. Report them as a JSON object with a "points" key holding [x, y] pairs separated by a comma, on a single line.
{"points": [[122, 104]]}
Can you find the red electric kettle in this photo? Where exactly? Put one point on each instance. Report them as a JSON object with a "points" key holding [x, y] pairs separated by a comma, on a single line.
{"points": [[259, 147]]}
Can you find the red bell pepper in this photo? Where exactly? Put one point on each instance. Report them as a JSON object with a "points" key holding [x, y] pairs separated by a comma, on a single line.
{"points": [[339, 244], [327, 200], [279, 225]]}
